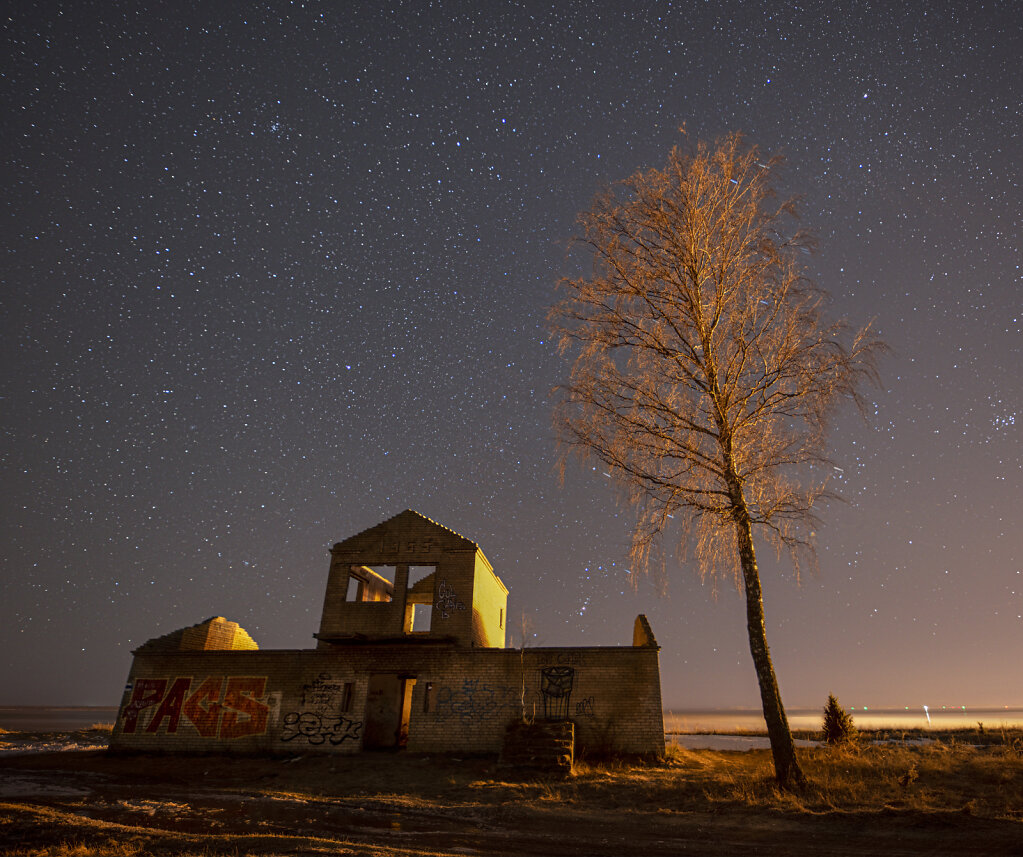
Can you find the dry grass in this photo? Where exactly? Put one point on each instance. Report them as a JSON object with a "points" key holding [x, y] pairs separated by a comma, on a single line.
{"points": [[946, 796], [936, 777], [931, 778]]}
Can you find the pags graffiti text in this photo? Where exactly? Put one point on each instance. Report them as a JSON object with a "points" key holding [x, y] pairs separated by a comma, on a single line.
{"points": [[222, 707]]}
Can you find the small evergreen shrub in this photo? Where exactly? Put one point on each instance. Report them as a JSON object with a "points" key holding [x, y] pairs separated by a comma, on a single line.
{"points": [[838, 724]]}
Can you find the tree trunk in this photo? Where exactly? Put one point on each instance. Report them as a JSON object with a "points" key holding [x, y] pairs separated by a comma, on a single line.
{"points": [[786, 768]]}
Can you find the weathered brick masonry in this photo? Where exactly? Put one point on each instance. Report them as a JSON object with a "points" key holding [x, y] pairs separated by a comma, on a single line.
{"points": [[399, 662]]}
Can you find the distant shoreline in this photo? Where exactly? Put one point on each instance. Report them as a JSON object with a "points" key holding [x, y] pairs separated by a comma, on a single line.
{"points": [[749, 720], [47, 718], [56, 708], [43, 718]]}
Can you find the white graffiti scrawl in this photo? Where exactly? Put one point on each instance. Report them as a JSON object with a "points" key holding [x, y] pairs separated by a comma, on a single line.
{"points": [[447, 599]]}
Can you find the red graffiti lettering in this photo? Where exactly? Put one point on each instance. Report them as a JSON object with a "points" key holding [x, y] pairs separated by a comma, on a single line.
{"points": [[241, 712], [245, 715], [171, 706], [145, 693], [203, 707]]}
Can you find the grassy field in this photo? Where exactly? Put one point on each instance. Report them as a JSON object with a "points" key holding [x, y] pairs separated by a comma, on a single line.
{"points": [[957, 793]]}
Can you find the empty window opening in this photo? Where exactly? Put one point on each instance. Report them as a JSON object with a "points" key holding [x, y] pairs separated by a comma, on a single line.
{"points": [[422, 617], [346, 696], [353, 589], [419, 573], [419, 598], [384, 571], [427, 697], [367, 583], [500, 618]]}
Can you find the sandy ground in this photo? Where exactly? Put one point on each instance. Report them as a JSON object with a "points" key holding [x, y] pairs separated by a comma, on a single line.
{"points": [[64, 791]]}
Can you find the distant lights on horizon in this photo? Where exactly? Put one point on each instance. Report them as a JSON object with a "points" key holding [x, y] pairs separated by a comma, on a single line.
{"points": [[906, 708]]}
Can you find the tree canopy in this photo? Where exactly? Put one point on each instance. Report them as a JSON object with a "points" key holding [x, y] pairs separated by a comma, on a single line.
{"points": [[702, 354], [704, 369]]}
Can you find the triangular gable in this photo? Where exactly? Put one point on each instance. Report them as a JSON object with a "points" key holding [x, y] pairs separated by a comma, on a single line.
{"points": [[408, 532]]}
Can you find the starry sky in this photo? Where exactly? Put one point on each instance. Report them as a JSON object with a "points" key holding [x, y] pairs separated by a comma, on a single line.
{"points": [[273, 273]]}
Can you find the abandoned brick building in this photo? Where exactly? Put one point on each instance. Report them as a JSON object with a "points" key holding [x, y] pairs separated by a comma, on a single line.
{"points": [[410, 652]]}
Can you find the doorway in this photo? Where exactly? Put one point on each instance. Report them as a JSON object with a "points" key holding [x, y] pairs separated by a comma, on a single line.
{"points": [[388, 710]]}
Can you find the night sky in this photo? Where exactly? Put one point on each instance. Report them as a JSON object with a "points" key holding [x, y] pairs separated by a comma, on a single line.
{"points": [[272, 275]]}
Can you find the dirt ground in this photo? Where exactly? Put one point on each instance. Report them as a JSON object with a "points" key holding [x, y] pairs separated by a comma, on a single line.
{"points": [[87, 802]]}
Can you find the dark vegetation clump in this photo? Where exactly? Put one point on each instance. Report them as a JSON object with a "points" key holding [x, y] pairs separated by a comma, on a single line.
{"points": [[838, 724]]}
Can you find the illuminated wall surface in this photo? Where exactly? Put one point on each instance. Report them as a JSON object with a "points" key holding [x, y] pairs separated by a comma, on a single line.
{"points": [[410, 653]]}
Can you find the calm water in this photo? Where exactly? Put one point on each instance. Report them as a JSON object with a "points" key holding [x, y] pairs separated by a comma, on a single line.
{"points": [[38, 719], [715, 720]]}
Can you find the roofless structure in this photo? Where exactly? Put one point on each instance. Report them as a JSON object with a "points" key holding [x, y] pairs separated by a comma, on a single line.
{"points": [[410, 652]]}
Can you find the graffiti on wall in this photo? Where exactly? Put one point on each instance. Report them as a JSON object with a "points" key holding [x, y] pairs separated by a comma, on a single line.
{"points": [[323, 720], [556, 691], [447, 599], [319, 728], [584, 708], [322, 693], [222, 707], [474, 701]]}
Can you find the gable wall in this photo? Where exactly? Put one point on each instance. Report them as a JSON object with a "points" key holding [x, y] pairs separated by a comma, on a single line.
{"points": [[462, 575]]}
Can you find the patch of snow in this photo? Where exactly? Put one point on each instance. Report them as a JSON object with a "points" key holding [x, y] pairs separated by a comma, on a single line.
{"points": [[737, 743], [15, 747]]}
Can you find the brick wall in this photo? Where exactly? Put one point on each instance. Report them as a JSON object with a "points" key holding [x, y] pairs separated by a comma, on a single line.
{"points": [[489, 605], [318, 700], [612, 695]]}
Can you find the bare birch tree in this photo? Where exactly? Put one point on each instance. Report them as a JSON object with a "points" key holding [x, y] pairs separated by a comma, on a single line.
{"points": [[704, 374]]}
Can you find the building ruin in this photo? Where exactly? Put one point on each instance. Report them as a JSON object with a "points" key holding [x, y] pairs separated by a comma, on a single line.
{"points": [[410, 653]]}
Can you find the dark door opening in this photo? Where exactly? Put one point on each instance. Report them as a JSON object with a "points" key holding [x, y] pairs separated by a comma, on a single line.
{"points": [[388, 709]]}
